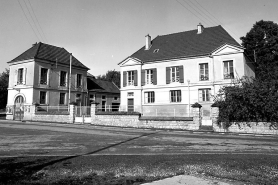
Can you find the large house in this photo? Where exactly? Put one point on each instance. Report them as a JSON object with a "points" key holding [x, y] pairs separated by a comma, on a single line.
{"points": [[171, 72], [40, 75]]}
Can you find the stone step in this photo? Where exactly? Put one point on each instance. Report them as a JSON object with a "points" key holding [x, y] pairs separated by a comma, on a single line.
{"points": [[206, 128]]}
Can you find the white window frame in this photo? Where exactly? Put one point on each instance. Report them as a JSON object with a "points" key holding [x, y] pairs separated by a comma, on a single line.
{"points": [[149, 97], [174, 74], [229, 72], [203, 76], [177, 98], [149, 76], [130, 78], [204, 95]]}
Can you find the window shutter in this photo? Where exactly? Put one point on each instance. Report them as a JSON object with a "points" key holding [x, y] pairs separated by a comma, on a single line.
{"points": [[15, 77], [168, 75], [154, 76], [135, 78], [143, 77], [181, 74], [124, 78], [24, 76]]}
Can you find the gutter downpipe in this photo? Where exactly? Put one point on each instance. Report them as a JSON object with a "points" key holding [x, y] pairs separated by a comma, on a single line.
{"points": [[141, 108], [70, 79], [213, 74]]}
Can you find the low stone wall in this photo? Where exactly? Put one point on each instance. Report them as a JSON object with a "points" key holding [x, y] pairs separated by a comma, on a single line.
{"points": [[248, 127], [243, 127]]}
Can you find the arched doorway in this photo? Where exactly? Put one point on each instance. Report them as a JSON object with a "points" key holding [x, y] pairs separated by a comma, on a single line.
{"points": [[19, 108]]}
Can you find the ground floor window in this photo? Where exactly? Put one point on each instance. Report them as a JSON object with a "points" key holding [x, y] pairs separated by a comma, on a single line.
{"points": [[149, 97], [62, 98], [204, 94], [175, 95], [42, 97]]}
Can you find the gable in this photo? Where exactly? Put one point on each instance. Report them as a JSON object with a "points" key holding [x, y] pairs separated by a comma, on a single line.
{"points": [[227, 49], [130, 62]]}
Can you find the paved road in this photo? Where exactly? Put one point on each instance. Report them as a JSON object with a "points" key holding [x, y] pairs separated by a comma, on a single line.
{"points": [[27, 139]]}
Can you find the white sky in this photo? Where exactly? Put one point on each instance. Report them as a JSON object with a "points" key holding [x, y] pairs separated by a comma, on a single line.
{"points": [[101, 33]]}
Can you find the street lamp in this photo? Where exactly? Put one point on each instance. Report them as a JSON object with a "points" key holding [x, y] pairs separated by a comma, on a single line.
{"points": [[188, 81]]}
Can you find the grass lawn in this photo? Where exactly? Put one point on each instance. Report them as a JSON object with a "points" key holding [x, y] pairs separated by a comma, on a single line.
{"points": [[137, 169]]}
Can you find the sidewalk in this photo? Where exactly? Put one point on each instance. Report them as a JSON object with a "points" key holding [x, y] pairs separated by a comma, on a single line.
{"points": [[188, 180]]}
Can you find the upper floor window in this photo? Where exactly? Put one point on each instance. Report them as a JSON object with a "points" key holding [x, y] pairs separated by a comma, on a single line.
{"points": [[42, 97], [103, 97], [204, 95], [43, 77], [78, 97], [149, 97], [62, 98], [204, 72], [20, 76], [149, 76], [130, 78], [228, 69], [175, 95], [78, 80], [174, 74], [63, 78]]}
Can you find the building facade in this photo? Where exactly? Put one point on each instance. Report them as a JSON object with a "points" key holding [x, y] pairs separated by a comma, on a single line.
{"points": [[41, 75], [172, 72]]}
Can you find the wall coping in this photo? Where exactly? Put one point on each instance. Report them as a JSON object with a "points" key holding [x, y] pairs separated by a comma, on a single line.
{"points": [[166, 118], [119, 113]]}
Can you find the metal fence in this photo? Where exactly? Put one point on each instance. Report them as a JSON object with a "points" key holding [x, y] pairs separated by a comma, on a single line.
{"points": [[52, 109], [83, 111], [107, 108]]}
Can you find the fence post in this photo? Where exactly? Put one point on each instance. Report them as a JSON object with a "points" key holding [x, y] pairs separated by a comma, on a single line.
{"points": [[72, 114], [93, 113], [214, 117], [196, 111]]}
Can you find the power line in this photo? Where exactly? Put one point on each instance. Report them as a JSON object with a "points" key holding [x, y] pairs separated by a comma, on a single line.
{"points": [[28, 20], [198, 12], [191, 11], [207, 15], [37, 21], [32, 19]]}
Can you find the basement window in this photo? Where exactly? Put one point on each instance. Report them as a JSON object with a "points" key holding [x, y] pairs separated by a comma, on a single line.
{"points": [[156, 51]]}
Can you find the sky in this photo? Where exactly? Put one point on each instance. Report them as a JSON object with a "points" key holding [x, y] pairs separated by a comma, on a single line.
{"points": [[102, 33]]}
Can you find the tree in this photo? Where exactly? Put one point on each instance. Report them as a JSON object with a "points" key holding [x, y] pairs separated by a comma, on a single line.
{"points": [[261, 44], [111, 76], [4, 83]]}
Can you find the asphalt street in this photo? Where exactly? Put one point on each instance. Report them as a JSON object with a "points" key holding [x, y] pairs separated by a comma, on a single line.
{"points": [[50, 139]]}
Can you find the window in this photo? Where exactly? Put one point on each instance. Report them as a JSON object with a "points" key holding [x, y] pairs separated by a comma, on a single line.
{"points": [[175, 96], [63, 78], [43, 79], [204, 95], [149, 97], [149, 76], [78, 97], [130, 94], [228, 69], [62, 98], [92, 97], [79, 80], [130, 78], [42, 97], [103, 97], [175, 75], [116, 98], [20, 76], [204, 72]]}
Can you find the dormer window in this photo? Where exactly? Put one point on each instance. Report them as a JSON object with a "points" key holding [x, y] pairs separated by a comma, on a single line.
{"points": [[156, 51]]}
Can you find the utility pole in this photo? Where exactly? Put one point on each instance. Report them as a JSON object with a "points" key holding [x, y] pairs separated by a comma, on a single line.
{"points": [[70, 77]]}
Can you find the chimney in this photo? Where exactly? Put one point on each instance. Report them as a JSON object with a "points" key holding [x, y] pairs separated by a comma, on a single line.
{"points": [[148, 42], [200, 28], [34, 44]]}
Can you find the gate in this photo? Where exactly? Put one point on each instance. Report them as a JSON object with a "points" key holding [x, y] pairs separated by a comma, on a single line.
{"points": [[83, 114], [19, 108], [206, 115]]}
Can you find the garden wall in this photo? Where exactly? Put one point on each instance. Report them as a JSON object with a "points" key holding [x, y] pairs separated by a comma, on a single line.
{"points": [[243, 127], [134, 120]]}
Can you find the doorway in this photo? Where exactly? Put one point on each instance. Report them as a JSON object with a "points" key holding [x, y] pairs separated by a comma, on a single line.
{"points": [[19, 108], [130, 105]]}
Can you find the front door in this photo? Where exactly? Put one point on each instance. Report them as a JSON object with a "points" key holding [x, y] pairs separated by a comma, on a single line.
{"points": [[130, 105], [19, 108], [103, 106]]}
